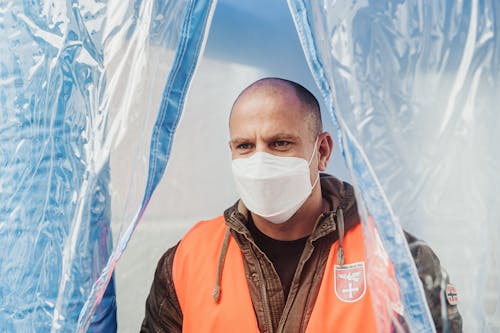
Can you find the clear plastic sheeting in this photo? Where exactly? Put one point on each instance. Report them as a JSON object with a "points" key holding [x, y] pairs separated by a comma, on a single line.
{"points": [[415, 88], [92, 92], [82, 85]]}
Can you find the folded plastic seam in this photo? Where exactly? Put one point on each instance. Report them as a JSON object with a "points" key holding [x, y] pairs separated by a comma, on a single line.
{"points": [[193, 35]]}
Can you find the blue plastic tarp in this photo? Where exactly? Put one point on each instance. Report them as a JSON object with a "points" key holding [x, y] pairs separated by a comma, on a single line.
{"points": [[78, 89], [413, 88]]}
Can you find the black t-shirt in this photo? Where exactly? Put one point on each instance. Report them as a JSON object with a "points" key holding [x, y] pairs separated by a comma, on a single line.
{"points": [[284, 255]]}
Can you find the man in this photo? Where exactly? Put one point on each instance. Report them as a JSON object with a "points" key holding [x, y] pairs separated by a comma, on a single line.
{"points": [[288, 256]]}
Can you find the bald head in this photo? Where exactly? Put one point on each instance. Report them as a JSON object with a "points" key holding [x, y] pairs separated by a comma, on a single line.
{"points": [[276, 88]]}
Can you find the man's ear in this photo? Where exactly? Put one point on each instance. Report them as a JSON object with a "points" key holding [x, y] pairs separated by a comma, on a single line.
{"points": [[325, 148]]}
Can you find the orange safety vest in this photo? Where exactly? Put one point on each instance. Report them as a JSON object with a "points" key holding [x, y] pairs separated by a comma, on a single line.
{"points": [[343, 304]]}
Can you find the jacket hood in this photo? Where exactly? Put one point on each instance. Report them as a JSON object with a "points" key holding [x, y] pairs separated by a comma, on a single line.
{"points": [[339, 194]]}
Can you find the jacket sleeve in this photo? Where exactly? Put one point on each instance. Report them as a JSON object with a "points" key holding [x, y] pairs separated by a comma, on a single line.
{"points": [[434, 279], [163, 312]]}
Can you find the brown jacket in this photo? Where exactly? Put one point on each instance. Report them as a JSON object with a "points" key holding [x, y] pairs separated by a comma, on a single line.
{"points": [[274, 313]]}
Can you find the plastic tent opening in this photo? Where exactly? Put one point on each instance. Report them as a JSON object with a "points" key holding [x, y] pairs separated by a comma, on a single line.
{"points": [[91, 103]]}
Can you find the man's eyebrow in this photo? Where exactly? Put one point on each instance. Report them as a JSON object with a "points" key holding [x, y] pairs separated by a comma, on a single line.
{"points": [[238, 140], [284, 136], [274, 137]]}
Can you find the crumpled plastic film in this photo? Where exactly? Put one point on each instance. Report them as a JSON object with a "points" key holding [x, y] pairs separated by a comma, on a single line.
{"points": [[82, 85], [415, 88]]}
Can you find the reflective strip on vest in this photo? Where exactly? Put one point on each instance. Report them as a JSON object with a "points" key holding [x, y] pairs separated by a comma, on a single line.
{"points": [[343, 304]]}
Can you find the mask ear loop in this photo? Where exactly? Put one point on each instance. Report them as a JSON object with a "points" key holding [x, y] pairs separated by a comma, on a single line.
{"points": [[314, 150], [310, 161], [315, 181]]}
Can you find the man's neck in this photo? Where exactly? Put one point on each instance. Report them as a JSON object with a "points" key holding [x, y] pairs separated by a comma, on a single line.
{"points": [[300, 225]]}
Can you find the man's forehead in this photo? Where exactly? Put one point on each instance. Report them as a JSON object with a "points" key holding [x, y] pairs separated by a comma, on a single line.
{"points": [[282, 117], [268, 128]]}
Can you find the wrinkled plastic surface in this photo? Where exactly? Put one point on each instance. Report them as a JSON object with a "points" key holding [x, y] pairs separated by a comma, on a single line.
{"points": [[82, 86], [413, 86], [86, 80]]}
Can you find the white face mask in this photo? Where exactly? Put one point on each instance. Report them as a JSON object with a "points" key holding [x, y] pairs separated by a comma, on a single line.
{"points": [[271, 186]]}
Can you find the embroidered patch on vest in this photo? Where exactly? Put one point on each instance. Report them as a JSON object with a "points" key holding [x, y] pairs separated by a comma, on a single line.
{"points": [[451, 294], [350, 281]]}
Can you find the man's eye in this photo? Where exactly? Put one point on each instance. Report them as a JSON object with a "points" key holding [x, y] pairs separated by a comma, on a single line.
{"points": [[281, 143], [244, 146]]}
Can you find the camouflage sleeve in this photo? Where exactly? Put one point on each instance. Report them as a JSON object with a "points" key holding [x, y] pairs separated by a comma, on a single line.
{"points": [[163, 312], [435, 281]]}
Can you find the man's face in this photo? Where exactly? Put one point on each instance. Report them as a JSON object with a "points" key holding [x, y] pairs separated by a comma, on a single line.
{"points": [[271, 122]]}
